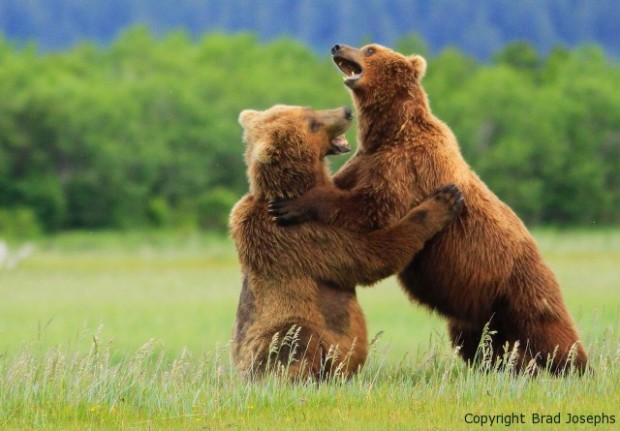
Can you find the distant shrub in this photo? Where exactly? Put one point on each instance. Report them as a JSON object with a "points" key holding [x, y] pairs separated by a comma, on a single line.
{"points": [[213, 208], [158, 212], [19, 223]]}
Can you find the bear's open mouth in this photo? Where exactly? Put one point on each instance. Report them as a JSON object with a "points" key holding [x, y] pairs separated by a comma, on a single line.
{"points": [[351, 69], [339, 145]]}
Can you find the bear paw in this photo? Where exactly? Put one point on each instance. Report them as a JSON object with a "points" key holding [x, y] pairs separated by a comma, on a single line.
{"points": [[452, 196], [286, 212], [443, 205]]}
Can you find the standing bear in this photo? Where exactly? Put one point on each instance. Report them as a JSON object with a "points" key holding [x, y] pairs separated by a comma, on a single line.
{"points": [[486, 267], [298, 311]]}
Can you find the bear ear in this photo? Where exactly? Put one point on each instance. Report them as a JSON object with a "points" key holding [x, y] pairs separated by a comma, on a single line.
{"points": [[247, 117], [419, 64]]}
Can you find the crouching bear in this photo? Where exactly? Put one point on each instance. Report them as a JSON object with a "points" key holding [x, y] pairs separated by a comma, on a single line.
{"points": [[298, 313]]}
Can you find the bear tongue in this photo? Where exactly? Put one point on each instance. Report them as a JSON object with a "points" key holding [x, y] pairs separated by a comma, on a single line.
{"points": [[340, 145]]}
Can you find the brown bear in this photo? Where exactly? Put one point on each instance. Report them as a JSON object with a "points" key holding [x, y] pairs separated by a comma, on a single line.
{"points": [[486, 266], [298, 310]]}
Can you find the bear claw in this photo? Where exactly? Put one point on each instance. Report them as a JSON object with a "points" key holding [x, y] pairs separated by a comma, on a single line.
{"points": [[281, 212], [452, 195]]}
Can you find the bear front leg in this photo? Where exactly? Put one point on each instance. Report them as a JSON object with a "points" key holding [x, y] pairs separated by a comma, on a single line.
{"points": [[349, 209], [316, 204], [438, 210], [393, 247], [348, 257], [324, 203]]}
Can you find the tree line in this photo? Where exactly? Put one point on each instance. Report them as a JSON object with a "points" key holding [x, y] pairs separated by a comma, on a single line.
{"points": [[490, 24], [144, 132]]}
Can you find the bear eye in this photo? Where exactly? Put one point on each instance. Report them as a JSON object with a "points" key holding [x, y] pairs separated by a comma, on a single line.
{"points": [[369, 51], [314, 126]]}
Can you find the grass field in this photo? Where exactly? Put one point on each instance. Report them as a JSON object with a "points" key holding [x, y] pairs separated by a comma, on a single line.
{"points": [[131, 331]]}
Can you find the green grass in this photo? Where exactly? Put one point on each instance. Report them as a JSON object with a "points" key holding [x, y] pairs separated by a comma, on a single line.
{"points": [[131, 331]]}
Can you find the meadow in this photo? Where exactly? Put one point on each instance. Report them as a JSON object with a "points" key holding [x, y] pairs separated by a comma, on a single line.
{"points": [[130, 331]]}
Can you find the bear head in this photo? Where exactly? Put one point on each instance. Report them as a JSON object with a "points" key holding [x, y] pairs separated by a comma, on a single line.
{"points": [[286, 148], [378, 75]]}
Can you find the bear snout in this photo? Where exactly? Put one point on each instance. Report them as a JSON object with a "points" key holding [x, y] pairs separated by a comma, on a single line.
{"points": [[348, 114], [339, 47]]}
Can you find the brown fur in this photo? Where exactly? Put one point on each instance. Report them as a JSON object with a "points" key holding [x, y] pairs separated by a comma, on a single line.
{"points": [[301, 279], [486, 266]]}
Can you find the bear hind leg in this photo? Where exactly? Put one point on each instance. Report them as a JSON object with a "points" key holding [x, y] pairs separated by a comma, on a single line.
{"points": [[556, 346], [467, 338], [486, 347]]}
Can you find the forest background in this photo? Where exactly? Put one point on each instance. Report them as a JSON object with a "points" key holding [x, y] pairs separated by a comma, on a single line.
{"points": [[122, 114]]}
